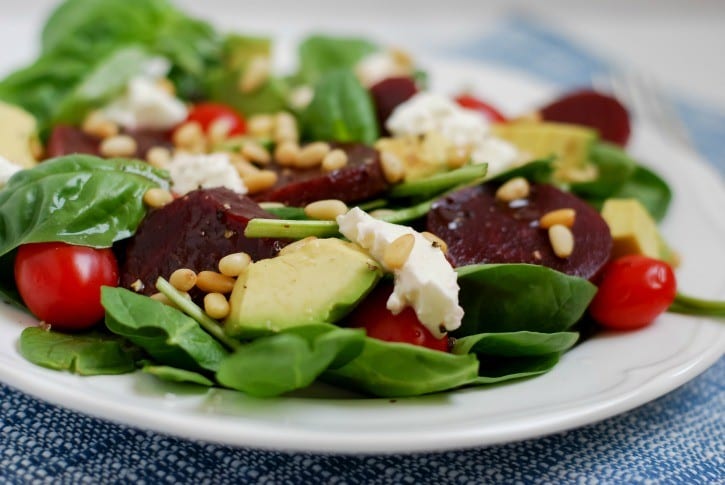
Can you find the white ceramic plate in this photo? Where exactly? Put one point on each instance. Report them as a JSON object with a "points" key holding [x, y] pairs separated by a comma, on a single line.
{"points": [[602, 377]]}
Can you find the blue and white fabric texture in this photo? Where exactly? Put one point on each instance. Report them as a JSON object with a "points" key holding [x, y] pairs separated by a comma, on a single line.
{"points": [[679, 438]]}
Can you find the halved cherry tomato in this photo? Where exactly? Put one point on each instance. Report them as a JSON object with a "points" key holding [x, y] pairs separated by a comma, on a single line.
{"points": [[634, 290], [470, 102], [380, 323], [61, 283], [207, 113]]}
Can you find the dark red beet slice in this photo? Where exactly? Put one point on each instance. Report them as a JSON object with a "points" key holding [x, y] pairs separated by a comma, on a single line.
{"points": [[194, 231], [481, 229], [590, 108], [362, 178], [388, 94], [66, 140]]}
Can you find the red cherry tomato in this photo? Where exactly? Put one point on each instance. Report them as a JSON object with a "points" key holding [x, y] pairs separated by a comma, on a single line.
{"points": [[207, 113], [61, 283], [470, 102], [634, 290], [380, 323]]}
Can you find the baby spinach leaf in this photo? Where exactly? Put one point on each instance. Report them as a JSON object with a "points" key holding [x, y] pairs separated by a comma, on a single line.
{"points": [[495, 369], [515, 344], [395, 370], [77, 199], [650, 189], [614, 168], [87, 354], [169, 336], [273, 365], [320, 54], [341, 110], [515, 297], [173, 374]]}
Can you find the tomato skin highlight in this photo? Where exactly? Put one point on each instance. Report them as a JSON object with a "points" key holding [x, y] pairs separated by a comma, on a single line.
{"points": [[207, 113], [380, 323], [634, 290], [61, 283], [471, 102]]}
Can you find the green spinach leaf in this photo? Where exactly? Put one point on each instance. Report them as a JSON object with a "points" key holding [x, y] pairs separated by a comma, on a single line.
{"points": [[650, 189], [320, 54], [495, 369], [614, 168], [87, 354], [173, 374], [515, 344]]}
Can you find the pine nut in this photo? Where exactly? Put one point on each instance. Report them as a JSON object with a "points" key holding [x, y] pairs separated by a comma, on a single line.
{"points": [[158, 157], [96, 124], [216, 305], [516, 188], [457, 157], [260, 125], [137, 286], [436, 241], [255, 75], [234, 264], [393, 168], [287, 153], [285, 128], [189, 135], [183, 279], [213, 282], [118, 146], [271, 205], [564, 217], [325, 210], [157, 197], [311, 155], [382, 213], [259, 181], [219, 130], [334, 160], [397, 252], [243, 167], [166, 85], [162, 298], [562, 240], [256, 153]]}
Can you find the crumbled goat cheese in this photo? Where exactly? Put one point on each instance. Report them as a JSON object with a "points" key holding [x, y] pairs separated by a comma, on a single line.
{"points": [[190, 172]]}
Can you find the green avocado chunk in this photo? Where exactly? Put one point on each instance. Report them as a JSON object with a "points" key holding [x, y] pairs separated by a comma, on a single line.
{"points": [[312, 281]]}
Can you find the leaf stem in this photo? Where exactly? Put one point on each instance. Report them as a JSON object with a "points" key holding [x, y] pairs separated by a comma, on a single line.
{"points": [[690, 305]]}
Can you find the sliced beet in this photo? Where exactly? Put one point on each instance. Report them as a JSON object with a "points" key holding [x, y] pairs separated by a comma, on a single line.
{"points": [[388, 94], [194, 231], [591, 108], [66, 140], [362, 178], [478, 228]]}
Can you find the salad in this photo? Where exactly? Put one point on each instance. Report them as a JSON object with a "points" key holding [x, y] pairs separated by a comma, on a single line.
{"points": [[172, 205]]}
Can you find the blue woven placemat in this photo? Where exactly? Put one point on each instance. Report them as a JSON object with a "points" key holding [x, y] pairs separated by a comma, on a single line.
{"points": [[679, 438]]}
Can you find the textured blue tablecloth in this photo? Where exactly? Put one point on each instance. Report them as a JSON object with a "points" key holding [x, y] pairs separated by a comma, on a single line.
{"points": [[679, 438]]}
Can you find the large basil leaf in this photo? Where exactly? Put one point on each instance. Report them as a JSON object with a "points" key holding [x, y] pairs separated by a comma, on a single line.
{"points": [[77, 199], [291, 360], [169, 336], [88, 354], [515, 297], [341, 110], [320, 54]]}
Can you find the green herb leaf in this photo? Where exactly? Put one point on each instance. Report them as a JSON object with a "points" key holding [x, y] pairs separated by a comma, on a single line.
{"points": [[321, 54], [173, 374], [493, 370], [515, 344], [650, 189], [614, 168]]}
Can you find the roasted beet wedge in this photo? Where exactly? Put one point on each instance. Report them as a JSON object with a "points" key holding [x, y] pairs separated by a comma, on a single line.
{"points": [[362, 178], [66, 140], [194, 231], [481, 229], [388, 94]]}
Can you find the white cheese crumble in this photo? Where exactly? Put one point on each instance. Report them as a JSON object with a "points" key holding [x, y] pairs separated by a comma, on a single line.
{"points": [[145, 105], [7, 170], [499, 154], [426, 281], [190, 172]]}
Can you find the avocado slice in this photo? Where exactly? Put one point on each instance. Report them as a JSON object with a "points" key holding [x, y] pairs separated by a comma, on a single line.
{"points": [[569, 143], [312, 281], [19, 141]]}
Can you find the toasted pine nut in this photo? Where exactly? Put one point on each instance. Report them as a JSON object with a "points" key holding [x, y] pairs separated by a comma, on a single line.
{"points": [[96, 124], [234, 264], [397, 252], [271, 205], [213, 282], [334, 160], [457, 157], [166, 85], [287, 153], [219, 130], [311, 155], [393, 168], [183, 279], [562, 240], [216, 305], [516, 188], [158, 157], [162, 298], [260, 125], [118, 146], [243, 167], [259, 181], [255, 75], [189, 135], [565, 217], [256, 153], [325, 210], [36, 148], [157, 197], [436, 241], [285, 128], [137, 285]]}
